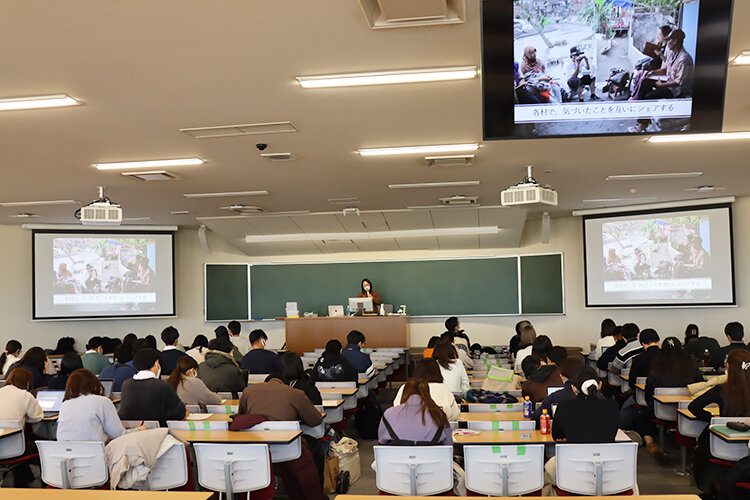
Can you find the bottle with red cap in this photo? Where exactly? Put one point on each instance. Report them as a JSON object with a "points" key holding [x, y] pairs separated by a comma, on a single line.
{"points": [[544, 422]]}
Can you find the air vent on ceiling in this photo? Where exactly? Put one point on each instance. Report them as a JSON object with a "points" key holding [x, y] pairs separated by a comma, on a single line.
{"points": [[344, 201], [24, 215], [244, 209], [398, 13], [459, 199], [154, 175], [450, 161], [279, 156], [235, 130]]}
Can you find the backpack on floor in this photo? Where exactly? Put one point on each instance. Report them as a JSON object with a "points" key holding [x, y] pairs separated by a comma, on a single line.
{"points": [[367, 419]]}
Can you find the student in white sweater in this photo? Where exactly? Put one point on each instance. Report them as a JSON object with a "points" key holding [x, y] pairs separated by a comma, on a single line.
{"points": [[190, 389], [10, 355], [199, 349], [86, 414], [528, 336], [16, 401], [452, 370], [429, 371]]}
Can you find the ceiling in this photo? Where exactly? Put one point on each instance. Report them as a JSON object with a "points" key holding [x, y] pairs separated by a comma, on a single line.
{"points": [[147, 69]]}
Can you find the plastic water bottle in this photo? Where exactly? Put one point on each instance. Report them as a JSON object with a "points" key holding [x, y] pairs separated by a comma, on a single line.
{"points": [[706, 359], [544, 422], [527, 408]]}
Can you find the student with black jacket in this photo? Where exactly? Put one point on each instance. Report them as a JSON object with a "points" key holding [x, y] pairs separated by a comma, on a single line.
{"points": [[333, 367], [292, 373], [169, 356], [640, 367], [569, 368], [609, 355], [735, 333], [68, 364]]}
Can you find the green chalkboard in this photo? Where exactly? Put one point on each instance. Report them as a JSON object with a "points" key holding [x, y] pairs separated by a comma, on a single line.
{"points": [[542, 284], [226, 292], [429, 287]]}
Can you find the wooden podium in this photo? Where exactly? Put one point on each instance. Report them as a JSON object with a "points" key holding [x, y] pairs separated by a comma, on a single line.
{"points": [[307, 334]]}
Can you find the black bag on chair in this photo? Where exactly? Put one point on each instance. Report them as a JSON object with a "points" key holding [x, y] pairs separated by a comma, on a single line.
{"points": [[367, 419]]}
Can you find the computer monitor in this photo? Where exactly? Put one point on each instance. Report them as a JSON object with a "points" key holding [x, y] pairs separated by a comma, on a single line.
{"points": [[366, 304], [107, 384], [552, 389], [50, 401]]}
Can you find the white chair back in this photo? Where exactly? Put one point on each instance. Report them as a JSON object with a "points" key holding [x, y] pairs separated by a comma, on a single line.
{"points": [[640, 396], [282, 452], [73, 464], [233, 468], [613, 378], [116, 395], [197, 425], [689, 427], [336, 385], [194, 408], [509, 425], [169, 472], [596, 469], [414, 470], [504, 470], [724, 450], [148, 424], [15, 445], [228, 409], [225, 395], [663, 411], [256, 376], [492, 407], [624, 385]]}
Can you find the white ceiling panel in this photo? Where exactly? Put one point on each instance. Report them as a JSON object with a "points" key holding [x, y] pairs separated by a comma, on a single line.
{"points": [[383, 245], [455, 217], [458, 242], [369, 221], [408, 219], [274, 225], [426, 243], [337, 246], [506, 238], [318, 223]]}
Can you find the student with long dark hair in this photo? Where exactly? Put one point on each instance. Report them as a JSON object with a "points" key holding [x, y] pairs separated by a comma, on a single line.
{"points": [[452, 370], [191, 390], [332, 366], [607, 337], [35, 360], [68, 364], [293, 374], [542, 348], [65, 345], [198, 348], [417, 420], [429, 371], [10, 355]]}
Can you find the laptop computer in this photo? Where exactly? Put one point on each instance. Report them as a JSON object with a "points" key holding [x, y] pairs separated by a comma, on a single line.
{"points": [[50, 401], [335, 311], [108, 384], [552, 389]]}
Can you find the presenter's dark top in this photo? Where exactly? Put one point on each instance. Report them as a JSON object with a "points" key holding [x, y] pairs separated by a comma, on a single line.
{"points": [[376, 300]]}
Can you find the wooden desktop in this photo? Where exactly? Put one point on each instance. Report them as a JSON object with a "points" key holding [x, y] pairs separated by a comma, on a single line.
{"points": [[307, 334]]}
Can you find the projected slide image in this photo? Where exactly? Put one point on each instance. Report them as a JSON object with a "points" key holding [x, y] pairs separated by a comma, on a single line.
{"points": [[104, 274], [603, 66], [655, 258]]}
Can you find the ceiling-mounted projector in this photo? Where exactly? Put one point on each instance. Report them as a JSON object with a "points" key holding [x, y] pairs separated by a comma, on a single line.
{"points": [[528, 192], [100, 212]]}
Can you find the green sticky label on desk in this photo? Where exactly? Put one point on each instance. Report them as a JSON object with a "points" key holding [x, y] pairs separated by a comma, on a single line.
{"points": [[495, 425], [515, 425], [493, 407], [191, 426], [229, 409], [521, 450], [509, 406], [496, 449]]}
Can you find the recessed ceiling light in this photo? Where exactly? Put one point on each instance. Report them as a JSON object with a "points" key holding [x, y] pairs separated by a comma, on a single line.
{"points": [[151, 175], [616, 200], [179, 212], [433, 185], [706, 188], [643, 177], [742, 58], [404, 150], [179, 162], [44, 101], [226, 194], [344, 201], [388, 77], [723, 136], [37, 203]]}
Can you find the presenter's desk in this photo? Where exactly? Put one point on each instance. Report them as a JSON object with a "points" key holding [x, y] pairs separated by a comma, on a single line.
{"points": [[307, 334]]}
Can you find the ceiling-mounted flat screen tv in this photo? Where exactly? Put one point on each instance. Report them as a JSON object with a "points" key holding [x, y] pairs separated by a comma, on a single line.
{"points": [[556, 68]]}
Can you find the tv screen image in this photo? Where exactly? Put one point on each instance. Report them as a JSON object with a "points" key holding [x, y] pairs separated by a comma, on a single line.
{"points": [[603, 67]]}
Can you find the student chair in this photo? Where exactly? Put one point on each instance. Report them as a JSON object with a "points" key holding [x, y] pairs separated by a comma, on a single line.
{"points": [[596, 469], [194, 409], [255, 376], [510, 425], [282, 452], [624, 385], [687, 432], [233, 468], [148, 424], [362, 389], [169, 472], [197, 425], [73, 464], [414, 470], [350, 403], [115, 395], [640, 395], [225, 395], [222, 409], [731, 452], [492, 407], [504, 470], [12, 448], [666, 415]]}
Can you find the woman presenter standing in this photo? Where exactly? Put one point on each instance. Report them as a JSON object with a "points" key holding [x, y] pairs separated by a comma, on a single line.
{"points": [[367, 291]]}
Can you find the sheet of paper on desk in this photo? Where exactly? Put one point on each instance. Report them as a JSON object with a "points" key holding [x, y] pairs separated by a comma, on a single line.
{"points": [[198, 416]]}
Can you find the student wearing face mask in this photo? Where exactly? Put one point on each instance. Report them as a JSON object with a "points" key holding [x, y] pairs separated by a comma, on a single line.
{"points": [[259, 360], [367, 291], [190, 389], [94, 359]]}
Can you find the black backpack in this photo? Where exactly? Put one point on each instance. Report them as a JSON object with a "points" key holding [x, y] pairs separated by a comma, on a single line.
{"points": [[367, 419]]}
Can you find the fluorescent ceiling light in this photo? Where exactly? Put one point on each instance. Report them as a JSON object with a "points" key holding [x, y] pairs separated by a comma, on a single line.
{"points": [[44, 101], [179, 162], [179, 212], [617, 200], [375, 235], [37, 203], [226, 194], [433, 185], [724, 136], [24, 215], [742, 58], [643, 177], [388, 77], [405, 150]]}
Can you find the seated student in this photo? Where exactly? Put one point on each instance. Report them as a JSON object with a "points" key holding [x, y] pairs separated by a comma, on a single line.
{"points": [[120, 370], [558, 354], [333, 367], [94, 359], [628, 351], [417, 420], [528, 336], [258, 359], [539, 376], [219, 372], [86, 413], [429, 371], [16, 400], [34, 360], [355, 342], [589, 418], [734, 332], [696, 346], [641, 364], [541, 348], [10, 355], [461, 340], [569, 368], [222, 334], [169, 356], [515, 340], [672, 367], [452, 370], [607, 339], [190, 389], [146, 396], [733, 398], [65, 345], [293, 374], [463, 356], [150, 341], [608, 355], [241, 343], [68, 364], [129, 341], [427, 353], [198, 349]]}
